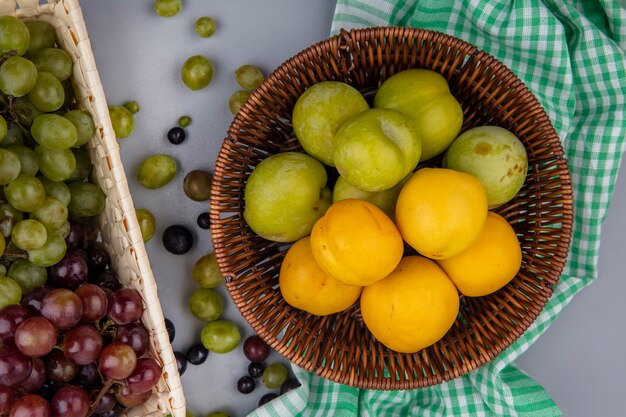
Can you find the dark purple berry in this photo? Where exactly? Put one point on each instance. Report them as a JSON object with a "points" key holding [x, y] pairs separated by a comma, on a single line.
{"points": [[204, 220], [177, 239], [267, 398], [255, 369], [181, 362], [197, 354], [176, 135], [255, 349], [245, 385], [288, 385]]}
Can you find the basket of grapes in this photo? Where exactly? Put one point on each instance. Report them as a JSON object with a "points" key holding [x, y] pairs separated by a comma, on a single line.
{"points": [[81, 328], [391, 208]]}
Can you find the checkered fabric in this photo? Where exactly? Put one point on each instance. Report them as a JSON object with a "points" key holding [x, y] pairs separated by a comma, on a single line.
{"points": [[572, 56]]}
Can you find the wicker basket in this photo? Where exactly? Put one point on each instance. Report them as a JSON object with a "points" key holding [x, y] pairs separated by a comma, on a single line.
{"points": [[118, 225], [339, 347]]}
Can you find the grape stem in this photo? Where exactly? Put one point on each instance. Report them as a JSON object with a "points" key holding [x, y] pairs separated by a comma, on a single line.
{"points": [[105, 388]]}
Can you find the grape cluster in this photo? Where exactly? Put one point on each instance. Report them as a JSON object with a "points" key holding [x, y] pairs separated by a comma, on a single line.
{"points": [[71, 340]]}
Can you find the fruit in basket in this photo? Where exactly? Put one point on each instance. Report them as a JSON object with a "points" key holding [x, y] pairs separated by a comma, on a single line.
{"points": [[375, 149], [197, 72], [384, 200], [304, 285], [17, 76], [14, 35], [320, 111], [411, 308], [356, 243], [41, 36], [424, 97], [440, 212], [495, 156], [47, 95], [490, 262], [285, 195]]}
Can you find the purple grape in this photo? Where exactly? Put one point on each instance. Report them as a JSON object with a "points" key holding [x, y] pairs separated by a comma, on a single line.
{"points": [[6, 399], [36, 378], [197, 354], [107, 280], [117, 361], [62, 307], [14, 366], [255, 349], [88, 376], [145, 376], [131, 399], [134, 335], [255, 369], [95, 302], [59, 368], [10, 318], [71, 271], [246, 384], [70, 401], [35, 336], [97, 258], [32, 300], [106, 403], [82, 344], [267, 398], [77, 236], [125, 306], [30, 405]]}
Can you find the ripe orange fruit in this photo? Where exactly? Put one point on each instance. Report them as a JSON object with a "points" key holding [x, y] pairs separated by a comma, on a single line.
{"points": [[490, 262], [440, 212], [306, 286], [356, 243], [411, 308]]}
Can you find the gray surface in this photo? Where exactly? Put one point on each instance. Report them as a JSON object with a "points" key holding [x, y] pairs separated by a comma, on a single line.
{"points": [[139, 55]]}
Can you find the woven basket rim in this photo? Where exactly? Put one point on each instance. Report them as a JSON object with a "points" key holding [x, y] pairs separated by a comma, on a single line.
{"points": [[241, 137]]}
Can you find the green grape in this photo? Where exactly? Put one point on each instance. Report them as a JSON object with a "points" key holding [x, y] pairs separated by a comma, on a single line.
{"points": [[55, 61], [205, 26], [132, 106], [27, 274], [9, 215], [206, 273], [184, 121], [9, 166], [50, 253], [83, 165], [41, 36], [3, 245], [52, 213], [156, 171], [84, 124], [29, 164], [122, 120], [167, 8], [56, 189], [14, 136], [220, 336], [64, 230], [147, 223], [27, 110], [249, 77], [48, 94], [29, 234], [87, 199], [237, 100], [25, 193], [14, 35], [17, 76], [274, 375], [10, 292], [56, 165], [197, 72], [4, 128], [206, 304]]}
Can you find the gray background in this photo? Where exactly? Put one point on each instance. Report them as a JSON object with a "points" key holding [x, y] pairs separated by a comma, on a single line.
{"points": [[578, 360]]}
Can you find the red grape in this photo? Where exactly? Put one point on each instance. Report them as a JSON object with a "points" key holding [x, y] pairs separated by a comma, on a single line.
{"points": [[82, 344], [32, 300], [88, 376], [36, 378], [70, 401], [95, 303], [30, 406], [6, 399], [106, 403], [145, 376], [255, 349], [14, 366], [59, 368], [71, 271], [125, 306], [107, 280], [131, 399], [117, 361], [135, 335], [35, 336], [97, 258], [62, 307], [10, 317]]}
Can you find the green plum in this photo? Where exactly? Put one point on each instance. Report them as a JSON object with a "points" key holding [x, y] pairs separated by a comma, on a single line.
{"points": [[376, 149], [424, 97], [384, 200], [285, 195], [320, 111], [495, 156]]}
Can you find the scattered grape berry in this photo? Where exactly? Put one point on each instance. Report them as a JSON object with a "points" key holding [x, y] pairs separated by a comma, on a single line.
{"points": [[255, 349], [204, 220], [171, 330], [288, 385], [177, 239], [181, 362], [176, 135], [267, 398], [197, 354], [246, 385], [255, 369]]}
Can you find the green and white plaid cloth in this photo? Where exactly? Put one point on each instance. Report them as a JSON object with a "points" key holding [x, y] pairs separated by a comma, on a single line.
{"points": [[572, 55]]}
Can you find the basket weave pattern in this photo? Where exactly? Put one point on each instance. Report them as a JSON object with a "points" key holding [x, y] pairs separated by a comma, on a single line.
{"points": [[118, 224], [339, 347]]}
